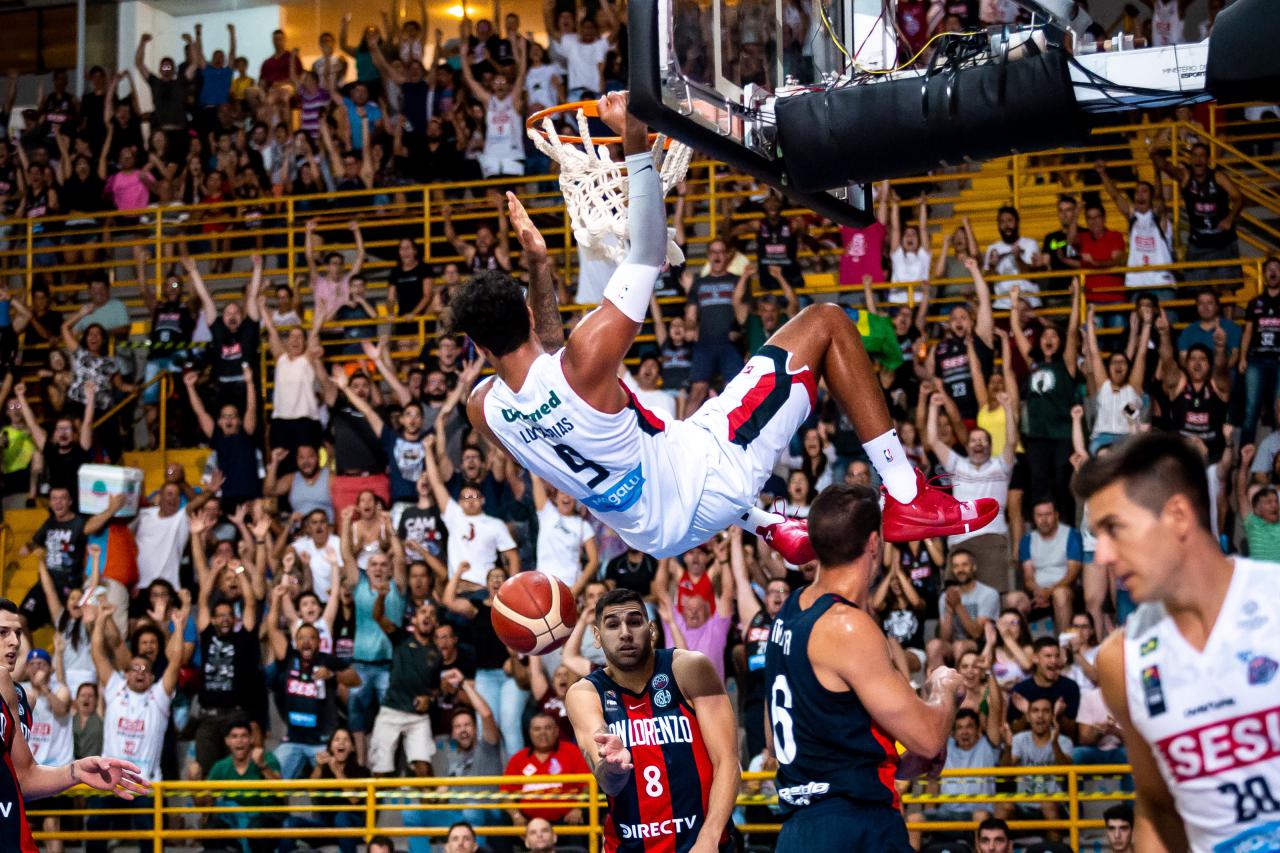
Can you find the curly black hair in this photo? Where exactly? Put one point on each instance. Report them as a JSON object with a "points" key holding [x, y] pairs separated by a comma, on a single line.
{"points": [[490, 309]]}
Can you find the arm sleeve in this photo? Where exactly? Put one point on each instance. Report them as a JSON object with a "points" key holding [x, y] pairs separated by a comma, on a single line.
{"points": [[631, 285]]}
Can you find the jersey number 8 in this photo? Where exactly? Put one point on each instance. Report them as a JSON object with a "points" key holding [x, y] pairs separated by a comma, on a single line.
{"points": [[653, 781], [784, 744]]}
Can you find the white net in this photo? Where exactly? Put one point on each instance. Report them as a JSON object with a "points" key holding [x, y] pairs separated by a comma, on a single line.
{"points": [[595, 188]]}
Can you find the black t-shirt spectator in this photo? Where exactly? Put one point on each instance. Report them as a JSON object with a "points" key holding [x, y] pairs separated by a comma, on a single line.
{"points": [[490, 651], [637, 576], [169, 102], [172, 325], [229, 350], [232, 669], [1263, 312], [356, 449], [63, 543], [426, 528], [1063, 688], [309, 707], [238, 462], [415, 671], [713, 294], [61, 467], [408, 284], [124, 136]]}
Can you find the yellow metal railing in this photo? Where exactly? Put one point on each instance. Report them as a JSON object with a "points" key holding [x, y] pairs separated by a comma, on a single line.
{"points": [[174, 803]]}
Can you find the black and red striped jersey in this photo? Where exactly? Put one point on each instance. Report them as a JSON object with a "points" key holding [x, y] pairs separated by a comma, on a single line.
{"points": [[15, 833], [664, 806]]}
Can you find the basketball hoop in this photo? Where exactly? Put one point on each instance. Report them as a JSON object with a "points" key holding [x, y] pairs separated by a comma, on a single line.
{"points": [[595, 185]]}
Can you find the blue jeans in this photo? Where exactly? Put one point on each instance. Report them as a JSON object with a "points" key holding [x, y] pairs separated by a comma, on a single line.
{"points": [[507, 701], [340, 820], [296, 758], [1093, 755], [363, 701], [1260, 386]]}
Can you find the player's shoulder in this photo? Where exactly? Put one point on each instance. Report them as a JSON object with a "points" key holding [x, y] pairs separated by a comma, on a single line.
{"points": [[694, 674], [845, 622]]}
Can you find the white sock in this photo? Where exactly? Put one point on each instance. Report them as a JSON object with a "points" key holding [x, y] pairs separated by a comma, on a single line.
{"points": [[893, 466], [756, 518]]}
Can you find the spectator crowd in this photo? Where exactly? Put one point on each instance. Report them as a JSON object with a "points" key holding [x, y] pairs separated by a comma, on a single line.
{"points": [[317, 602]]}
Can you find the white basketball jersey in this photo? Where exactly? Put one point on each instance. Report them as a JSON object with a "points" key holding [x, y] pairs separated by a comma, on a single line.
{"points": [[1148, 246], [630, 469], [1212, 717], [502, 129], [1166, 23]]}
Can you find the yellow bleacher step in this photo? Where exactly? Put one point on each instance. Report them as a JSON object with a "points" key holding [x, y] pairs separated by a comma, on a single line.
{"points": [[153, 462]]}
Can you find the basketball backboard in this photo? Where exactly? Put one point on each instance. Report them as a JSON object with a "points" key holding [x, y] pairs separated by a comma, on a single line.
{"points": [[705, 71]]}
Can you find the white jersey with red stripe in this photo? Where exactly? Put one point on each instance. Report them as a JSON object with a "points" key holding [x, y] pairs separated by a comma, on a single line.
{"points": [[1212, 717], [665, 487]]}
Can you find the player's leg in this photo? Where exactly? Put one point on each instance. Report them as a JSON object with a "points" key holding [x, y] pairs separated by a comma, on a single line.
{"points": [[824, 339]]}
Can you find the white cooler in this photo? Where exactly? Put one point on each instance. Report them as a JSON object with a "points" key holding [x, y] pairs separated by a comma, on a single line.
{"points": [[98, 483]]}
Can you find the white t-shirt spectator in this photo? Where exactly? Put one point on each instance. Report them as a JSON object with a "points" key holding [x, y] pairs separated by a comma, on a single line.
{"points": [[1265, 458], [161, 542], [540, 85], [1093, 712], [1111, 418], [475, 539], [1000, 258], [560, 540], [584, 60], [981, 602], [1049, 557], [50, 736], [969, 482], [1076, 674], [134, 724], [981, 755], [907, 266], [322, 561], [1030, 754]]}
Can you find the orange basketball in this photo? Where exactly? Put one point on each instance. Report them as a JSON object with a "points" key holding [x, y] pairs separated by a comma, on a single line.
{"points": [[534, 613]]}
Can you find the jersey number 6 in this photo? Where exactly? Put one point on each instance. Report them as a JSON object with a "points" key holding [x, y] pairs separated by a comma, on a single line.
{"points": [[578, 463], [784, 743]]}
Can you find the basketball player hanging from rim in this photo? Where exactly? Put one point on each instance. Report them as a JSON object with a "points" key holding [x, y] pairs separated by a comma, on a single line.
{"points": [[659, 733], [667, 487]]}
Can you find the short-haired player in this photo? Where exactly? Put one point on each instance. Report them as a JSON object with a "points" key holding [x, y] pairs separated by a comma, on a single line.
{"points": [[1192, 676], [658, 730]]}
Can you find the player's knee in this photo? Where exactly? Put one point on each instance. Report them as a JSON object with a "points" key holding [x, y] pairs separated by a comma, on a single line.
{"points": [[829, 316]]}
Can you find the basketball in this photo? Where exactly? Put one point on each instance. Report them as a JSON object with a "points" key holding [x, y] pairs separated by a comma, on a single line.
{"points": [[534, 613]]}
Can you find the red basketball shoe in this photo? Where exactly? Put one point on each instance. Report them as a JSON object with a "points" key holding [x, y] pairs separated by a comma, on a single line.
{"points": [[790, 538], [934, 513]]}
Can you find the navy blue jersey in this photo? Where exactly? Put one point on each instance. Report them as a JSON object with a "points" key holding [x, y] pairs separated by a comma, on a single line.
{"points": [[15, 833], [826, 743], [664, 805], [24, 711]]}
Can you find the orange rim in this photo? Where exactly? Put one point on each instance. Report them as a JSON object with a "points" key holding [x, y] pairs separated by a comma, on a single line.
{"points": [[589, 108]]}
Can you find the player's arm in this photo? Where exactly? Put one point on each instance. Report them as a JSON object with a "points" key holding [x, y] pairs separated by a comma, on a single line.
{"points": [[1156, 826], [705, 689], [608, 758], [542, 289], [600, 342], [849, 644]]}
